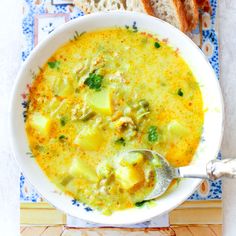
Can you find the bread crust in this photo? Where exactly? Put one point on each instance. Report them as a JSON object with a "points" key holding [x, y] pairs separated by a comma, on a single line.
{"points": [[147, 7], [187, 22], [182, 15], [81, 6], [193, 16], [145, 4], [204, 5]]}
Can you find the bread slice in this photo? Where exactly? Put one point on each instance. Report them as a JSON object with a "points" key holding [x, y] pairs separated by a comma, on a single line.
{"points": [[140, 6], [89, 6], [204, 5], [192, 14], [172, 11]]}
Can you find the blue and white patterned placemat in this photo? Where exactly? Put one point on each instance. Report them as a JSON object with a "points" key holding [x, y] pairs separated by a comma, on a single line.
{"points": [[41, 17]]}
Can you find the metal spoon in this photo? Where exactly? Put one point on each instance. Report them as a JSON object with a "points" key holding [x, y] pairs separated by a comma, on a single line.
{"points": [[166, 173]]}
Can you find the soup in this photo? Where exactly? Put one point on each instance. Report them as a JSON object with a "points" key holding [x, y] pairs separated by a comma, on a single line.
{"points": [[101, 94]]}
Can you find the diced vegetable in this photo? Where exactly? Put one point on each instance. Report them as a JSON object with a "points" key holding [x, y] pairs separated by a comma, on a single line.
{"points": [[104, 169], [101, 101], [134, 158], [89, 139], [80, 168], [66, 180], [94, 81], [142, 108], [40, 123], [62, 86], [120, 141], [176, 129], [128, 176], [152, 134], [87, 116], [144, 103]]}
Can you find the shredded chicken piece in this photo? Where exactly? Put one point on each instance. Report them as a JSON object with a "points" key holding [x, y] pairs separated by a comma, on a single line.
{"points": [[127, 126], [124, 122]]}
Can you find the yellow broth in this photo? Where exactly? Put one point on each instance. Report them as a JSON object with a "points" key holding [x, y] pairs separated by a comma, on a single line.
{"points": [[101, 94]]}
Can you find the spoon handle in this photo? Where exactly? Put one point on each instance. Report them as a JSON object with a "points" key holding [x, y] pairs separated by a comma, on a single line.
{"points": [[221, 168], [214, 170]]}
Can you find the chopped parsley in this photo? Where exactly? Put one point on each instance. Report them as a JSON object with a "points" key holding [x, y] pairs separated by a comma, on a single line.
{"points": [[63, 121], [180, 92], [152, 134], [94, 81], [120, 141], [62, 137], [54, 64], [157, 45]]}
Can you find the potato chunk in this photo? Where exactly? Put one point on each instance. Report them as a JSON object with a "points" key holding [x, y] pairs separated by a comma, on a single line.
{"points": [[40, 123], [128, 176], [101, 101], [175, 129], [134, 158], [80, 168], [104, 169], [89, 139], [62, 86]]}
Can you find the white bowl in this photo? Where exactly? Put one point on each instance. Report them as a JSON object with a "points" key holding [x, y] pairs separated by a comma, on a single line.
{"points": [[213, 121]]}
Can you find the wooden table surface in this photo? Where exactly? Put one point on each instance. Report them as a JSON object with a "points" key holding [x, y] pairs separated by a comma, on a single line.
{"points": [[196, 218], [188, 230]]}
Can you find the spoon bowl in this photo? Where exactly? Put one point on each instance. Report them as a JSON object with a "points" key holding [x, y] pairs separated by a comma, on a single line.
{"points": [[165, 173]]}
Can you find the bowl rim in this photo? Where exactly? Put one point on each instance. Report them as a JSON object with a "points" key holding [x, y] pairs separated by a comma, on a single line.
{"points": [[60, 29]]}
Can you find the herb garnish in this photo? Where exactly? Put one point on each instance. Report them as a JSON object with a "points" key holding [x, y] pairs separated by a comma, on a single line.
{"points": [[152, 134], [62, 137], [180, 92], [63, 121], [94, 81], [139, 204], [120, 141], [157, 45], [54, 64]]}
